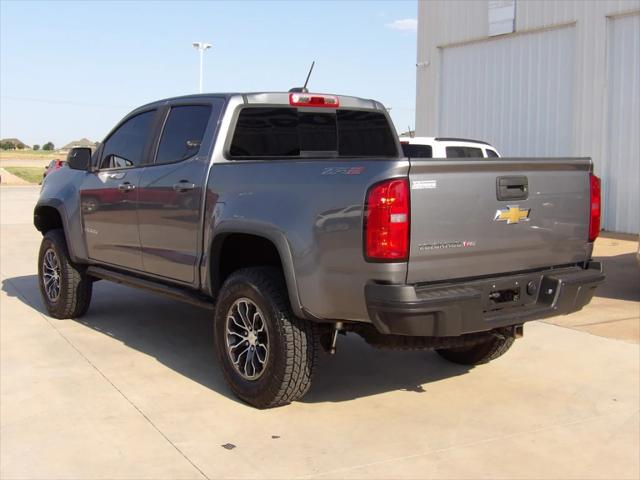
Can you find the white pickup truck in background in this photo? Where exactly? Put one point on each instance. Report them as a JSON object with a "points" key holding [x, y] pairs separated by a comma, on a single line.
{"points": [[445, 147]]}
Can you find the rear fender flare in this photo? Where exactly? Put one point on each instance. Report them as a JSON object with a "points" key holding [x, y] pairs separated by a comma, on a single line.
{"points": [[268, 232]]}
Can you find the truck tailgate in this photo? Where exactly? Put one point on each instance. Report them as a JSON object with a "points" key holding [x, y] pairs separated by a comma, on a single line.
{"points": [[477, 217]]}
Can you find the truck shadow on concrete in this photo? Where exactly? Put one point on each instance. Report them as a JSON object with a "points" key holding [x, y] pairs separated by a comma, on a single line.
{"points": [[623, 278], [180, 336]]}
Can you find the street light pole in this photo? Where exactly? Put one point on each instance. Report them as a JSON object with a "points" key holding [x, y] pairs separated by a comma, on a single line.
{"points": [[201, 57], [201, 47]]}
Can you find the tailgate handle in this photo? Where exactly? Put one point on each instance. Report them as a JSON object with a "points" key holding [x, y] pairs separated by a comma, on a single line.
{"points": [[512, 188]]}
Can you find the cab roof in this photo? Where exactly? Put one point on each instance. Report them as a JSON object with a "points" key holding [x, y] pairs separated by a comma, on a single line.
{"points": [[267, 98]]}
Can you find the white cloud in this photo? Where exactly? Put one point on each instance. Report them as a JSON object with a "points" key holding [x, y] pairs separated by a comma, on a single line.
{"points": [[405, 24]]}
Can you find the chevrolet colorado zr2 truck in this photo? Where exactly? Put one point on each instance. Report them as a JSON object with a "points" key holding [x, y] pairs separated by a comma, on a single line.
{"points": [[295, 217]]}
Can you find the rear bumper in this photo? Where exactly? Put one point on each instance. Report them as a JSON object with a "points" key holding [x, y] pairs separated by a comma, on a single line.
{"points": [[467, 307]]}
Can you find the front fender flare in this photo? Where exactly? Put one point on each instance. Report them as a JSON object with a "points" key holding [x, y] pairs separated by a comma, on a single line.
{"points": [[58, 206]]}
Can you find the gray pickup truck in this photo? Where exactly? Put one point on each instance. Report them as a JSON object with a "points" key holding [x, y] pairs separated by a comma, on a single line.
{"points": [[295, 217]]}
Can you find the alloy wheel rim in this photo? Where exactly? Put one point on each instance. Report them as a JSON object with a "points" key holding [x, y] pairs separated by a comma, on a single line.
{"points": [[51, 275], [247, 339]]}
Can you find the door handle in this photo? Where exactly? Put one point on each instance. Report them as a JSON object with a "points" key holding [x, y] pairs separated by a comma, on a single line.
{"points": [[184, 186], [512, 188], [126, 187]]}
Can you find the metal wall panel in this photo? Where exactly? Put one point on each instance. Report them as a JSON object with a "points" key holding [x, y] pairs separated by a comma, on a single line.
{"points": [[515, 92], [443, 24], [621, 177]]}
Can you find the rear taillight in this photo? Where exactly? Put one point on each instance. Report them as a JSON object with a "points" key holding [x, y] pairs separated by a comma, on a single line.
{"points": [[595, 207], [386, 222], [313, 100]]}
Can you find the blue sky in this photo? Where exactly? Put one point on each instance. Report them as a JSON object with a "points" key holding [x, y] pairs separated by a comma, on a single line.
{"points": [[73, 69]]}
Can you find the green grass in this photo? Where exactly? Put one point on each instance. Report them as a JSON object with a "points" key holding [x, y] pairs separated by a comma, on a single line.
{"points": [[30, 174]]}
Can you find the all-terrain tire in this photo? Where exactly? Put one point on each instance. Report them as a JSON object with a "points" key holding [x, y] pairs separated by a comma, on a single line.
{"points": [[480, 353], [75, 286], [293, 343]]}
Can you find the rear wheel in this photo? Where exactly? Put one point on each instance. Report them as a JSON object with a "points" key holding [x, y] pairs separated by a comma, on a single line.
{"points": [[267, 355], [480, 353], [65, 287]]}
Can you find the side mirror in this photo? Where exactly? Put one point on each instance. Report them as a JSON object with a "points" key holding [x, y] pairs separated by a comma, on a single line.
{"points": [[79, 158]]}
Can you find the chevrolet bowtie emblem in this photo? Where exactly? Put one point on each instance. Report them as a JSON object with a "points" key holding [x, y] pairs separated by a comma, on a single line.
{"points": [[512, 214]]}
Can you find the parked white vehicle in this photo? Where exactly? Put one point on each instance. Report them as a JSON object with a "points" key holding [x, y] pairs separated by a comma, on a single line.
{"points": [[444, 147]]}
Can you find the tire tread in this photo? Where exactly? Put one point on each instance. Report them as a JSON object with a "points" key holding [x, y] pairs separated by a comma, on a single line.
{"points": [[75, 293], [299, 338]]}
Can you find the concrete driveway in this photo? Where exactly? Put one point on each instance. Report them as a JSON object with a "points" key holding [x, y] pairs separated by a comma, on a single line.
{"points": [[132, 390]]}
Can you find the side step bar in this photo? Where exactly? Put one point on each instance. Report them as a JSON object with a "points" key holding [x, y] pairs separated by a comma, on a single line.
{"points": [[149, 285]]}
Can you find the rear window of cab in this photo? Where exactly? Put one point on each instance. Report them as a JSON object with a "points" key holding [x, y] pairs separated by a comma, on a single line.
{"points": [[277, 132]]}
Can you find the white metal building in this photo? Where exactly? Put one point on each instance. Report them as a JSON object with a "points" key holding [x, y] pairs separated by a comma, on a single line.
{"points": [[539, 78]]}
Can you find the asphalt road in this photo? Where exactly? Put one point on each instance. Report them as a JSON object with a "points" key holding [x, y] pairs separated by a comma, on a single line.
{"points": [[132, 390]]}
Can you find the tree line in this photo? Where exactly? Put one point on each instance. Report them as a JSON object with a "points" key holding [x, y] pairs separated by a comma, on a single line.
{"points": [[21, 146]]}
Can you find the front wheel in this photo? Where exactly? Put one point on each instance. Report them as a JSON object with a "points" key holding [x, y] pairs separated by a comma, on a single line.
{"points": [[65, 287], [267, 355], [479, 353]]}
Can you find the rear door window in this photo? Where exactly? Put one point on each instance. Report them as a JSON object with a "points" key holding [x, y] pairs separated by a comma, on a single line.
{"points": [[272, 132], [413, 150], [464, 152], [183, 132]]}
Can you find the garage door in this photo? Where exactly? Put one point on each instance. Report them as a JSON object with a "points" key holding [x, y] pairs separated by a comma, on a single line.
{"points": [[514, 92], [621, 175]]}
